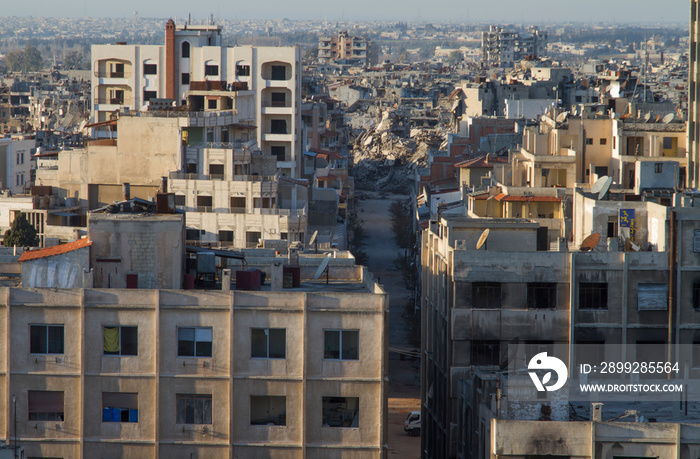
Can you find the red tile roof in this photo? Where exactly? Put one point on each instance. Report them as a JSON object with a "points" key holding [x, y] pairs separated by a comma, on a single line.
{"points": [[56, 250]]}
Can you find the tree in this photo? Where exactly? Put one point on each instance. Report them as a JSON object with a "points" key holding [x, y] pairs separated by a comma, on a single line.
{"points": [[27, 60], [73, 60], [454, 58], [21, 233]]}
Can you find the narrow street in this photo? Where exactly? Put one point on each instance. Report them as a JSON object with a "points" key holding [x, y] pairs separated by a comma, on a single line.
{"points": [[404, 373]]}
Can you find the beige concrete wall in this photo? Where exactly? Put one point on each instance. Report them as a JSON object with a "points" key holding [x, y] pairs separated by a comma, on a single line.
{"points": [[231, 376]]}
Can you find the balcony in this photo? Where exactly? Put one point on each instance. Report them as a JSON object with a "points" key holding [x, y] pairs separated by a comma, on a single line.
{"points": [[204, 209], [109, 100], [112, 74]]}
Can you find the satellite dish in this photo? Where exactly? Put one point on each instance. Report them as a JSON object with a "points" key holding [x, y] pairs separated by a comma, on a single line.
{"points": [[322, 267], [598, 185], [562, 117], [313, 237], [482, 239], [668, 118], [605, 188], [647, 117], [635, 247], [590, 242]]}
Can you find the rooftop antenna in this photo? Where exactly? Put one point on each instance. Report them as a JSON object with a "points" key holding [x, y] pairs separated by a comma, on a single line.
{"points": [[482, 240], [323, 267]]}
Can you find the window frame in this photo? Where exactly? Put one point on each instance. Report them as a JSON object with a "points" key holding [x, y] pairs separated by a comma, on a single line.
{"points": [[120, 327], [541, 286], [58, 416], [47, 326], [209, 68], [267, 343], [589, 290], [282, 417], [122, 410], [194, 350], [493, 293], [340, 332], [194, 397], [150, 69], [331, 400]]}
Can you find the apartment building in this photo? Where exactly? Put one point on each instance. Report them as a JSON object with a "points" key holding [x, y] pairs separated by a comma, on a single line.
{"points": [[347, 49], [194, 69], [104, 373], [502, 48], [16, 163], [517, 289]]}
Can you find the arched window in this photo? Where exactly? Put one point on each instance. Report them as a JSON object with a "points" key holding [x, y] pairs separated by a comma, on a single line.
{"points": [[185, 49]]}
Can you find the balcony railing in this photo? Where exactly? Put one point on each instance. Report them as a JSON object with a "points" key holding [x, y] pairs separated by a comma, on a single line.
{"points": [[237, 210], [109, 100], [206, 209], [112, 74]]}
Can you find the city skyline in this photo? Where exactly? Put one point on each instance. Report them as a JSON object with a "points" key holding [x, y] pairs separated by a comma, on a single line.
{"points": [[539, 12]]}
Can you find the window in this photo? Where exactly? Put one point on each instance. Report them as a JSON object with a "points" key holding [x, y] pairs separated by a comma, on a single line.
{"points": [[279, 152], [238, 205], [603, 141], [194, 341], [486, 295], [120, 340], [278, 99], [278, 126], [268, 343], [46, 339], [185, 49], [150, 69], [593, 295], [148, 95], [193, 408], [204, 203], [179, 199], [652, 297], [185, 78], [667, 143], [278, 72], [696, 354], [589, 141], [243, 70], [658, 168], [212, 104], [45, 405], [341, 344], [485, 352], [341, 412], [226, 237], [211, 70], [192, 234], [612, 226], [541, 295], [268, 410], [120, 407], [696, 296]]}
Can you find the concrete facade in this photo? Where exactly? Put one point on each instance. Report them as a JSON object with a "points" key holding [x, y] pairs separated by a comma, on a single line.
{"points": [[155, 374]]}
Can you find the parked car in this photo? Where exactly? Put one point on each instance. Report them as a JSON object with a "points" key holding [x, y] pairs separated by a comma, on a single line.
{"points": [[412, 424]]}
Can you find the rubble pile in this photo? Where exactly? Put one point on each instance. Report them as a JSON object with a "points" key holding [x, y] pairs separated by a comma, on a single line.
{"points": [[385, 155]]}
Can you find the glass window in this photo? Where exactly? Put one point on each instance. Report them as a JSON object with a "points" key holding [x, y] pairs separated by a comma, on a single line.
{"points": [[268, 410], [150, 69], [45, 405], [268, 343], [120, 340], [194, 341], [120, 407], [46, 339], [341, 412], [341, 344], [193, 408]]}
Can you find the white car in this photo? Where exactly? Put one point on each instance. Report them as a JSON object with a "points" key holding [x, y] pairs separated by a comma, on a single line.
{"points": [[412, 423]]}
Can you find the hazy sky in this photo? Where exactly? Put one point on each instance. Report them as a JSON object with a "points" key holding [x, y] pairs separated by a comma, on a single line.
{"points": [[514, 11]]}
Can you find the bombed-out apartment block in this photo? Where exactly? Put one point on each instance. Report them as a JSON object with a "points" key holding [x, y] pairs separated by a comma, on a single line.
{"points": [[347, 49], [503, 48], [521, 286]]}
